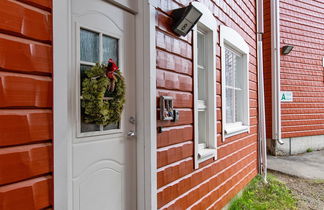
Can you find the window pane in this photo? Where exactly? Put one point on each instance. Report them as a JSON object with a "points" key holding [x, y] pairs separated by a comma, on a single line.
{"points": [[83, 68], [85, 127], [110, 48], [229, 68], [89, 46], [239, 74], [230, 104], [239, 105], [111, 126], [202, 90], [202, 127], [201, 49]]}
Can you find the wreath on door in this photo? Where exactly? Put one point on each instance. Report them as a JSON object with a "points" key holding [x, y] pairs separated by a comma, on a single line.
{"points": [[103, 94]]}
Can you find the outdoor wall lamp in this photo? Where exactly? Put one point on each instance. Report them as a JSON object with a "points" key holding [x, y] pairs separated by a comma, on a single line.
{"points": [[287, 49], [184, 19]]}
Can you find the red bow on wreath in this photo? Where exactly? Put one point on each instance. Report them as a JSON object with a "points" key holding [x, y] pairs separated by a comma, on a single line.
{"points": [[111, 68], [111, 74]]}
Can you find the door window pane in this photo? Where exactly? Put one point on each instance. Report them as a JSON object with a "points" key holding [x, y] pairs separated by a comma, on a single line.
{"points": [[83, 68], [89, 127], [110, 48], [111, 126], [89, 46]]}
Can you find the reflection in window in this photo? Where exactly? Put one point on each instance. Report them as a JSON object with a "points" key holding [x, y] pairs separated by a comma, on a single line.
{"points": [[89, 46], [110, 48], [233, 87]]}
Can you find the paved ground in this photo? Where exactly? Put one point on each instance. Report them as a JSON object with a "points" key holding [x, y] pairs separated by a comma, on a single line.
{"points": [[309, 165]]}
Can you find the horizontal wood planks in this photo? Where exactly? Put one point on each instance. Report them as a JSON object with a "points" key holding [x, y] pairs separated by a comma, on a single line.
{"points": [[301, 25], [26, 101], [267, 67], [215, 182]]}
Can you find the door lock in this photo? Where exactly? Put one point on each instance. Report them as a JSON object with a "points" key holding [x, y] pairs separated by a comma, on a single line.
{"points": [[132, 120]]}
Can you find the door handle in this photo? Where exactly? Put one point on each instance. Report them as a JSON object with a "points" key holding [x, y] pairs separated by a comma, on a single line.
{"points": [[131, 134]]}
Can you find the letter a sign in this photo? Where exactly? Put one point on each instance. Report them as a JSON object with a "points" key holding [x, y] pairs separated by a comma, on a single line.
{"points": [[286, 96]]}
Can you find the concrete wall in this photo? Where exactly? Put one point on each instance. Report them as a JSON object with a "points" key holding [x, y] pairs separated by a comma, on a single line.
{"points": [[296, 145]]}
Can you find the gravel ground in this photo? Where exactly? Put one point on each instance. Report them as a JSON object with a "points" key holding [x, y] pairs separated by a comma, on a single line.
{"points": [[309, 193]]}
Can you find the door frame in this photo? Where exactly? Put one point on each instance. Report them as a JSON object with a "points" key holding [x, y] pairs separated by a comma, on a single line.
{"points": [[145, 100]]}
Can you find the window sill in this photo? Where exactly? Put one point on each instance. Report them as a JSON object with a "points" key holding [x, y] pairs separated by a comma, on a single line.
{"points": [[235, 130], [205, 154]]}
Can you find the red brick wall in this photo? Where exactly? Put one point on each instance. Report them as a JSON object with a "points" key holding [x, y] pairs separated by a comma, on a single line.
{"points": [[215, 182], [25, 104], [301, 25], [267, 67]]}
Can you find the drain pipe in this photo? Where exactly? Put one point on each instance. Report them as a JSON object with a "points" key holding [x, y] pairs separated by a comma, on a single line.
{"points": [[275, 73], [261, 108]]}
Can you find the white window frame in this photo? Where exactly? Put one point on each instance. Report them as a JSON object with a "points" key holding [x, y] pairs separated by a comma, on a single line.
{"points": [[233, 40], [208, 24]]}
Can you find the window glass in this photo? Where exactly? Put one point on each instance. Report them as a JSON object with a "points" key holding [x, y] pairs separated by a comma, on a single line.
{"points": [[87, 127], [110, 48], [201, 49], [230, 105], [111, 126], [83, 68], [202, 127], [230, 68], [89, 46], [202, 90], [239, 96], [233, 86]]}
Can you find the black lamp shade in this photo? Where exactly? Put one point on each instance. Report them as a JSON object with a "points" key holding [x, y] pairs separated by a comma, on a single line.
{"points": [[184, 19], [287, 49]]}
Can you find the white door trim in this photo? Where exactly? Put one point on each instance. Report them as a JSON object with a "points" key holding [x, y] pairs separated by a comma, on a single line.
{"points": [[145, 101], [146, 106], [61, 130]]}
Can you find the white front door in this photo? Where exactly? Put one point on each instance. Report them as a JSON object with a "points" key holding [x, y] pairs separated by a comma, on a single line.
{"points": [[103, 157]]}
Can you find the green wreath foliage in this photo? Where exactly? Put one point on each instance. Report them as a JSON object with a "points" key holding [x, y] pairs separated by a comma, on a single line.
{"points": [[99, 104]]}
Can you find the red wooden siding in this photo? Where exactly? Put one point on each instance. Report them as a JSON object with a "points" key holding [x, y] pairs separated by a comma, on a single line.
{"points": [[26, 99], [301, 25], [267, 67], [214, 183]]}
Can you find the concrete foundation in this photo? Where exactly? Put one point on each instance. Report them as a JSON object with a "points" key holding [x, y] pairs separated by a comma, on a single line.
{"points": [[295, 145]]}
